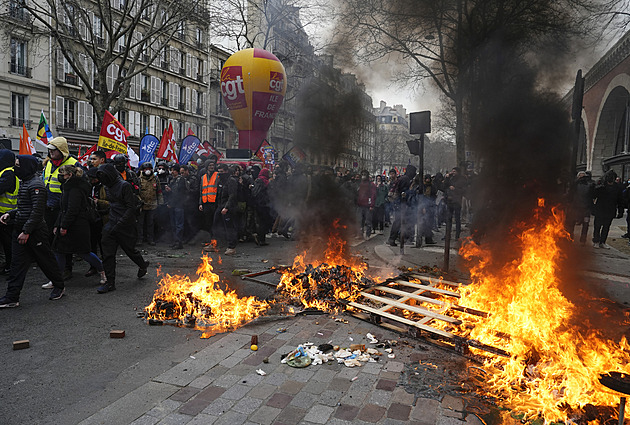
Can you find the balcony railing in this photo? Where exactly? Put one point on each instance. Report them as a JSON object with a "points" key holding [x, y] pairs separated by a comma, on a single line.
{"points": [[19, 13], [200, 78], [15, 68], [145, 96], [72, 79], [182, 71], [201, 45], [17, 122], [165, 65], [181, 36], [165, 101], [199, 111], [182, 106], [99, 41], [144, 58]]}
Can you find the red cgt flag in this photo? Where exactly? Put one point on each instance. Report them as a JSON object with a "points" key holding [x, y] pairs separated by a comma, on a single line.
{"points": [[26, 144], [167, 147], [113, 135]]}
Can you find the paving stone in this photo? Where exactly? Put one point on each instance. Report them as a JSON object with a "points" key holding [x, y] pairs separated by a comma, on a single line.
{"points": [[247, 405], [348, 372], [265, 415], [236, 392], [380, 397], [354, 398], [324, 334], [275, 378], [426, 411], [403, 397], [364, 381], [207, 378], [285, 336], [315, 387], [340, 384], [164, 408], [304, 400], [451, 413], [145, 420], [175, 419], [201, 401], [291, 415], [399, 412], [324, 375], [203, 419], [473, 420], [373, 368], [230, 362], [386, 384], [371, 413], [392, 376], [231, 418], [226, 381], [242, 369], [262, 391], [347, 412], [319, 414], [453, 403], [302, 374], [291, 387], [184, 394], [330, 397], [218, 407], [444, 420], [279, 400], [394, 366], [252, 379]]}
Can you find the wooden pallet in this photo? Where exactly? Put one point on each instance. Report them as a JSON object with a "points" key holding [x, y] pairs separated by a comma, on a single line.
{"points": [[392, 299]]}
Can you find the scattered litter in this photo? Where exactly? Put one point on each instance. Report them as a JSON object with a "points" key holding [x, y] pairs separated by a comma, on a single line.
{"points": [[21, 345], [265, 261], [266, 360], [281, 330], [319, 333], [117, 334], [354, 356], [355, 378], [254, 347], [391, 356], [371, 338], [193, 357], [261, 372], [240, 272], [341, 320], [389, 350]]}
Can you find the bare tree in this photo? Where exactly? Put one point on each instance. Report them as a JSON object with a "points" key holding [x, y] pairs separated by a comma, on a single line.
{"points": [[450, 42], [107, 43]]}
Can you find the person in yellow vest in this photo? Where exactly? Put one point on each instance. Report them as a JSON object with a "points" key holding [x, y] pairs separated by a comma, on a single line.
{"points": [[58, 155], [9, 185], [208, 195]]}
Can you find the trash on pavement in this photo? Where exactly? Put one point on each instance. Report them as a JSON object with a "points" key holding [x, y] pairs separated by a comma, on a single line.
{"points": [[261, 372]]}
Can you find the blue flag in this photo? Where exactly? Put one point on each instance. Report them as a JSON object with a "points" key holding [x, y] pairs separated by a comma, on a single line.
{"points": [[189, 147], [148, 144]]}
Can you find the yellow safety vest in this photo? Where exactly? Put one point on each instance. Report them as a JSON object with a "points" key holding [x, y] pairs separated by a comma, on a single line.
{"points": [[209, 188], [8, 200], [51, 178]]}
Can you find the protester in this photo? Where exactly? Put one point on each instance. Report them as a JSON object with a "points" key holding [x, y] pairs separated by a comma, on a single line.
{"points": [[366, 200], [121, 228], [208, 195], [225, 226], [151, 196], [399, 229], [30, 235], [260, 197], [178, 192], [607, 200], [454, 190], [72, 228], [378, 218], [581, 197], [427, 205], [98, 197], [9, 186], [97, 158]]}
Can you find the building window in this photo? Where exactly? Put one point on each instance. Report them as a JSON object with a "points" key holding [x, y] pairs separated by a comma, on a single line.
{"points": [[19, 110], [219, 136], [163, 125], [199, 103], [144, 124], [199, 69], [122, 118], [18, 58], [182, 98], [17, 11], [180, 130], [69, 114], [182, 63], [164, 93], [145, 92]]}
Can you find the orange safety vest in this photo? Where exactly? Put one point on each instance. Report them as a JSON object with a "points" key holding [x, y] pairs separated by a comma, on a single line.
{"points": [[209, 188]]}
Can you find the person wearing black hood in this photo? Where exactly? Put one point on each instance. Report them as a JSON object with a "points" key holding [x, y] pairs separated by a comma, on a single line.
{"points": [[224, 217], [401, 189], [9, 185], [30, 235], [121, 229]]}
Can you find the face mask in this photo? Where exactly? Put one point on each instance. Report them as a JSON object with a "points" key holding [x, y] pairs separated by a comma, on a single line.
{"points": [[148, 172], [161, 171], [120, 167]]}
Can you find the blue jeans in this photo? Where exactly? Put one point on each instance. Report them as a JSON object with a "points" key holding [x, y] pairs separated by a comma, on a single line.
{"points": [[177, 223], [90, 258]]}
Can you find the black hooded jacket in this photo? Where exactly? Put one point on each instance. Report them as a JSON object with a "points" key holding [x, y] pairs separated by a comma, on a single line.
{"points": [[32, 196], [7, 180], [122, 200]]}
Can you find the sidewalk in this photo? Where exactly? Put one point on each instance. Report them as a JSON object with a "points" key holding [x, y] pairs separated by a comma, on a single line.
{"points": [[219, 384]]}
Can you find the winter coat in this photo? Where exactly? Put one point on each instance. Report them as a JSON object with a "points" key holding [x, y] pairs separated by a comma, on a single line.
{"points": [[150, 192], [381, 194], [73, 217], [366, 196], [608, 198], [32, 196], [122, 201], [179, 192], [7, 180], [227, 192]]}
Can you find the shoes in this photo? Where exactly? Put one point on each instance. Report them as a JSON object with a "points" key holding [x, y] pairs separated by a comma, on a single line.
{"points": [[391, 243], [230, 251], [7, 303], [108, 287], [595, 244], [625, 236], [151, 243], [5, 270], [90, 272], [103, 278], [210, 248], [604, 246], [142, 272], [48, 285], [256, 241], [430, 242], [67, 274], [57, 293]]}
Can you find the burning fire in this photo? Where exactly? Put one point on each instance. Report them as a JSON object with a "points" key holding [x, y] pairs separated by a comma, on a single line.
{"points": [[202, 304], [320, 283], [554, 366]]}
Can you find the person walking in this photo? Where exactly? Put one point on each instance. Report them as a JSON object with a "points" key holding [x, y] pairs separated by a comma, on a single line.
{"points": [[178, 192], [225, 216], [72, 228], [121, 228], [366, 200], [262, 209], [151, 196], [9, 186], [607, 200], [378, 218], [208, 195], [30, 235]]}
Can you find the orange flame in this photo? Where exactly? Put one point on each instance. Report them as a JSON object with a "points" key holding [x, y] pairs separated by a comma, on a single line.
{"points": [[554, 365], [201, 303]]}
